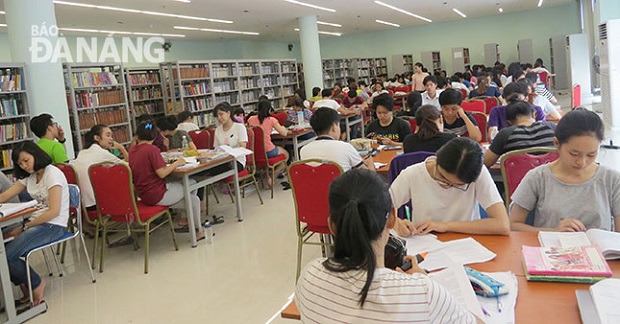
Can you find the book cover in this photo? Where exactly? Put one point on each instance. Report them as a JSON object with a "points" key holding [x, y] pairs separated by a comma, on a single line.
{"points": [[584, 261]]}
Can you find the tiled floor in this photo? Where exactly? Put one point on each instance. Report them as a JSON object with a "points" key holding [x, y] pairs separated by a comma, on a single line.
{"points": [[245, 276]]}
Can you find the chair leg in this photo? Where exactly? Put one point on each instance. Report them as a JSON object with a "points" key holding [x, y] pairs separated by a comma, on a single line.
{"points": [[147, 235], [92, 275], [273, 180], [63, 250], [60, 272], [47, 263], [232, 199], [103, 244], [217, 200], [299, 247], [92, 265], [174, 237], [29, 281], [257, 190]]}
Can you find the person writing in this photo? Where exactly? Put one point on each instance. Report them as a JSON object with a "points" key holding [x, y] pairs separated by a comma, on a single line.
{"points": [[174, 136], [354, 284], [429, 135], [572, 193]]}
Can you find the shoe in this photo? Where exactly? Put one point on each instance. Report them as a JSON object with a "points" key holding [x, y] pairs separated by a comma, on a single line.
{"points": [[122, 242], [281, 175], [182, 229], [285, 185], [218, 219]]}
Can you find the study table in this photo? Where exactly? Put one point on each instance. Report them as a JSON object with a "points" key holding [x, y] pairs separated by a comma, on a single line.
{"points": [[294, 138], [203, 180], [7, 286], [537, 302], [349, 121]]}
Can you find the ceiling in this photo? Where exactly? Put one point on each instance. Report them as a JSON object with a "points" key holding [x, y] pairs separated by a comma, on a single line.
{"points": [[275, 20]]}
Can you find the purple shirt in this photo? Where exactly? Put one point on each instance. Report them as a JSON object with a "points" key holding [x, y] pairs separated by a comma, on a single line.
{"points": [[497, 117]]}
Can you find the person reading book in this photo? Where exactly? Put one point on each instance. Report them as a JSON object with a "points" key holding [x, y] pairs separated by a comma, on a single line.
{"points": [[355, 284], [5, 184], [387, 129], [572, 193], [230, 133], [447, 191], [48, 185]]}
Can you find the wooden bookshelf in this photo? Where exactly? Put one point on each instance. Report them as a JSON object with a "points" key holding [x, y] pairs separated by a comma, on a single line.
{"points": [[14, 111], [96, 94], [145, 92]]}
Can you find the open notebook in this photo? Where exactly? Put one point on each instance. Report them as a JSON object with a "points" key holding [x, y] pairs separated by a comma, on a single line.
{"points": [[608, 242], [600, 304], [12, 208]]}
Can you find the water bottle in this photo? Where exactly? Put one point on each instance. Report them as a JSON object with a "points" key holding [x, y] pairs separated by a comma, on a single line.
{"points": [[184, 144], [300, 119], [208, 231]]}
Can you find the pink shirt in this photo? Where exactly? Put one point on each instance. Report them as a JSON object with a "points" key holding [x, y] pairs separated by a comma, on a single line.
{"points": [[268, 125]]}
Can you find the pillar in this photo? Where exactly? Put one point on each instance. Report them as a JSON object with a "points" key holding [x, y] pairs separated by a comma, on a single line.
{"points": [[310, 53]]}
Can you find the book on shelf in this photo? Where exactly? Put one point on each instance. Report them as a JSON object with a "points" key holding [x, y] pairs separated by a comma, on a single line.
{"points": [[7, 209], [107, 117], [144, 78], [191, 73], [6, 162], [13, 132], [195, 89], [9, 107], [196, 104], [94, 99], [10, 81], [146, 93], [599, 304], [566, 262], [608, 242], [148, 108], [93, 79]]}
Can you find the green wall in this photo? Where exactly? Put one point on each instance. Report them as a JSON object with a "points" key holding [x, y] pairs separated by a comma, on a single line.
{"points": [[504, 29]]}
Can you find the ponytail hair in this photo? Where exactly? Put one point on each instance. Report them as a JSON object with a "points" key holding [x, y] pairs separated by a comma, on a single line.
{"points": [[359, 206], [426, 117], [89, 138]]}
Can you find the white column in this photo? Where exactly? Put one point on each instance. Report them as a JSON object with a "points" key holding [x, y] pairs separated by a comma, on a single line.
{"points": [[310, 53], [44, 80]]}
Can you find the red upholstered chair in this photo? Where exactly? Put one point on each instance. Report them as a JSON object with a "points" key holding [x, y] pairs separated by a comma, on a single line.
{"points": [[516, 164], [575, 96], [247, 176], [481, 120], [404, 89], [211, 132], [202, 139], [489, 103], [281, 117], [474, 105], [310, 180], [411, 121], [116, 203], [463, 93], [260, 155], [544, 78]]}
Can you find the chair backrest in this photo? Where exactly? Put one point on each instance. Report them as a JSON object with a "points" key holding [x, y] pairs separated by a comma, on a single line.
{"points": [[281, 117], [310, 180], [260, 154], [68, 171], [412, 123], [402, 89], [463, 93], [403, 161], [211, 132], [250, 164], [474, 105], [114, 191], [75, 206], [575, 98], [481, 120], [516, 164], [544, 78], [201, 139], [489, 103]]}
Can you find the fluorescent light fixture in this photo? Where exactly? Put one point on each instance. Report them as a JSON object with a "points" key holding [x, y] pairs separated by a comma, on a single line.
{"points": [[501, 9], [2, 12], [119, 32], [224, 31], [145, 12], [309, 5], [329, 24], [540, 3], [387, 23], [184, 1], [459, 13], [3, 25], [403, 11], [324, 33]]}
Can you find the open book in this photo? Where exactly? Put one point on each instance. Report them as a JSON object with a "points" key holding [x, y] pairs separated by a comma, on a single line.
{"points": [[12, 208], [584, 261], [236, 151], [608, 242], [600, 304]]}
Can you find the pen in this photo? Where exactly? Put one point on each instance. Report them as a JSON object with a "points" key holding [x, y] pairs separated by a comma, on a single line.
{"points": [[499, 304], [408, 212], [421, 256], [484, 311]]}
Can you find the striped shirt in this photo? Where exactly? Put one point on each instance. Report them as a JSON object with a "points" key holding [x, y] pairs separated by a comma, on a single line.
{"points": [[323, 296], [522, 137], [541, 90]]}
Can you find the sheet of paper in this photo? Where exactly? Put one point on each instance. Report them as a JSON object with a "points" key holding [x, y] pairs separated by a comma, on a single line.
{"points": [[507, 302], [378, 165], [606, 294], [422, 243], [236, 151], [463, 251], [573, 239], [455, 280]]}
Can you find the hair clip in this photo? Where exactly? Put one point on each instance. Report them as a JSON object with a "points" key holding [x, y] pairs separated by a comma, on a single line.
{"points": [[148, 126]]}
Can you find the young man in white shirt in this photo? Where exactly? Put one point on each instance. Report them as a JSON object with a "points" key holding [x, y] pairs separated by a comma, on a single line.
{"points": [[431, 95], [326, 124], [327, 101]]}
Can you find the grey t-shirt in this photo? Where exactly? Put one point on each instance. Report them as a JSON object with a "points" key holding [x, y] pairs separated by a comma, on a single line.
{"points": [[595, 202], [176, 140]]}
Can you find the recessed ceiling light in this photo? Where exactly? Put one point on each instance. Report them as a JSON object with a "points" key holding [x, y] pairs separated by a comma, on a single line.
{"points": [[329, 24], [459, 13], [387, 23], [501, 10], [153, 13], [325, 33], [217, 30], [403, 11], [310, 5], [540, 3]]}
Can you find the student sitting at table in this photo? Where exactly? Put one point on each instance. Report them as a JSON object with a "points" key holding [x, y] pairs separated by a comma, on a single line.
{"points": [[316, 94], [337, 93], [48, 185], [533, 98], [484, 89], [353, 100], [447, 191], [572, 193], [238, 115], [326, 124], [456, 120], [354, 285], [379, 90], [431, 95], [160, 141], [186, 122], [51, 137], [269, 123], [414, 101], [497, 116], [230, 133], [327, 101], [524, 132], [149, 172], [297, 106], [168, 127], [387, 129], [429, 135]]}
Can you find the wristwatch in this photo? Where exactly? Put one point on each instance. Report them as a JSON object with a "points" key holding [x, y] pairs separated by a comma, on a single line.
{"points": [[63, 141]]}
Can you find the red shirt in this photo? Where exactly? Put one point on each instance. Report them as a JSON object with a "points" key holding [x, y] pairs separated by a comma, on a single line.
{"points": [[144, 159], [348, 102]]}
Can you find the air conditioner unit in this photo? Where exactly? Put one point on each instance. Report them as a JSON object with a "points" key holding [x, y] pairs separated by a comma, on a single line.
{"points": [[609, 48]]}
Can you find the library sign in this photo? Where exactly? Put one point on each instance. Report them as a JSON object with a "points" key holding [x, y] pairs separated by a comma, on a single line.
{"points": [[48, 46]]}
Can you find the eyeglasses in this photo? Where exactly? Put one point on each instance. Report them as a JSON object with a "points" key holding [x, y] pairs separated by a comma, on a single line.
{"points": [[446, 183]]}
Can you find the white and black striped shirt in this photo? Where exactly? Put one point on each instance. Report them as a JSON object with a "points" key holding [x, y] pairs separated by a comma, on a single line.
{"points": [[521, 137]]}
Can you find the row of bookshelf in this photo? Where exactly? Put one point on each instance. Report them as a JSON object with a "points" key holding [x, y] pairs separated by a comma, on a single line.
{"points": [[223, 86], [231, 98], [11, 107], [146, 93], [107, 117], [196, 88], [7, 162], [144, 78], [10, 80], [96, 99], [192, 73], [151, 108], [13, 132], [93, 79], [14, 111], [197, 104]]}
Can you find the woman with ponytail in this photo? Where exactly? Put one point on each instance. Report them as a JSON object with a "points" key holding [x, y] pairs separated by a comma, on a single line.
{"points": [[429, 135], [354, 285]]}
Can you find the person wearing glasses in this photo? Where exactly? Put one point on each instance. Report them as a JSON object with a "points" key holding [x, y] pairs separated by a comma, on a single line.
{"points": [[51, 137], [447, 191]]}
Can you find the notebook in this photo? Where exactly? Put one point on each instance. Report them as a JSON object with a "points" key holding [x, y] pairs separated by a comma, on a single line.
{"points": [[608, 242], [583, 261], [600, 303], [12, 208]]}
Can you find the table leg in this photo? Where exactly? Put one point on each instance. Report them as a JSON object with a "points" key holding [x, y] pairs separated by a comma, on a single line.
{"points": [[362, 128], [295, 149], [348, 128], [188, 209], [7, 288], [237, 192]]}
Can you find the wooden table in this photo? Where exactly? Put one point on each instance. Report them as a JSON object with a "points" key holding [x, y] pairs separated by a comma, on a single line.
{"points": [[537, 302], [186, 173], [7, 286], [293, 138]]}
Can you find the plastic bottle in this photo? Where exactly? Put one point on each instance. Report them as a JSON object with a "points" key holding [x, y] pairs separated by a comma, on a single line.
{"points": [[184, 143], [208, 231], [301, 121]]}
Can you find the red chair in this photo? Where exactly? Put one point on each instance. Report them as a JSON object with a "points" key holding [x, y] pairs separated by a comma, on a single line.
{"points": [[463, 93], [575, 96], [260, 155], [211, 132], [246, 176], [202, 139], [116, 203], [411, 121], [404, 89], [516, 164], [544, 78], [489, 103], [281, 117], [474, 105], [481, 120], [310, 180]]}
